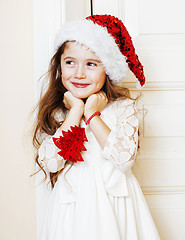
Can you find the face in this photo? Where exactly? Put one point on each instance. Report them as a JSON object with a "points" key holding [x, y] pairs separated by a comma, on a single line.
{"points": [[82, 72]]}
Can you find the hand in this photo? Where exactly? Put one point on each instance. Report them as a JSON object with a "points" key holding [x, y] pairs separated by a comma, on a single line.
{"points": [[72, 102], [96, 102]]}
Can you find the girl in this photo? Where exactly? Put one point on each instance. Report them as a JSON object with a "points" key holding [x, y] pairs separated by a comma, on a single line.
{"points": [[87, 136]]}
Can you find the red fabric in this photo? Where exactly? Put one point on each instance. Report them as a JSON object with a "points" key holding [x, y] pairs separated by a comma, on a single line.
{"points": [[71, 144], [122, 38]]}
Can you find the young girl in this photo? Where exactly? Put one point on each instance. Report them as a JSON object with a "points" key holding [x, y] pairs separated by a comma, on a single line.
{"points": [[87, 136]]}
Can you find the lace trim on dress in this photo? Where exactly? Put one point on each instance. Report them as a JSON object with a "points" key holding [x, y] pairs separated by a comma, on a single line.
{"points": [[48, 154], [121, 145]]}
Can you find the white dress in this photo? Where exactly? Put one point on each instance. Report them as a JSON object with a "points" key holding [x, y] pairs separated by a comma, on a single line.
{"points": [[100, 198]]}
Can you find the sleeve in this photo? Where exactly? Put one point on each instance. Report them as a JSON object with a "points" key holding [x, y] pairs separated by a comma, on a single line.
{"points": [[121, 145], [48, 154]]}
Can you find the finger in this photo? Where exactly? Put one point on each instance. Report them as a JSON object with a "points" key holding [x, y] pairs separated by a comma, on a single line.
{"points": [[65, 94], [103, 95], [64, 103], [93, 96], [64, 100]]}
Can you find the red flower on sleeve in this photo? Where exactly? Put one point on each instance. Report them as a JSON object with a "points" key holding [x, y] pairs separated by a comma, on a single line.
{"points": [[71, 144]]}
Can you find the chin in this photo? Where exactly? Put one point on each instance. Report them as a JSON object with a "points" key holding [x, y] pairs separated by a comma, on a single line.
{"points": [[81, 96]]}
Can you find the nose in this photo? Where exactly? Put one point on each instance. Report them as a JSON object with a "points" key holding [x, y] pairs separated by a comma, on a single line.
{"points": [[80, 72]]}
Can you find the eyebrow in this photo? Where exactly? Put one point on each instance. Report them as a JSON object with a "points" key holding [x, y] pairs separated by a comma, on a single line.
{"points": [[89, 59]]}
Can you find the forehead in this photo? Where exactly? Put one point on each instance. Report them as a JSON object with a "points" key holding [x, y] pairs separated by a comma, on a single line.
{"points": [[76, 49]]}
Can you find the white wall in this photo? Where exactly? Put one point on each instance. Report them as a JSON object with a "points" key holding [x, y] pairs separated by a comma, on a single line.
{"points": [[17, 200]]}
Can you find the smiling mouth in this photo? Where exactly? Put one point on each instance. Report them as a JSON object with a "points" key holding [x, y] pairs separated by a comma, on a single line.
{"points": [[80, 85]]}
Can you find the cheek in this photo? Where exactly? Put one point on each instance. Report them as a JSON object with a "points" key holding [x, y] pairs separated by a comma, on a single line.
{"points": [[64, 79], [100, 79], [65, 73], [65, 76], [65, 82]]}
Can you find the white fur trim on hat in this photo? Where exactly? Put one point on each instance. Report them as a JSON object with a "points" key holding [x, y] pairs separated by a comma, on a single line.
{"points": [[99, 41]]}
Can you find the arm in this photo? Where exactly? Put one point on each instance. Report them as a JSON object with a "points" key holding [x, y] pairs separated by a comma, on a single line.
{"points": [[97, 102], [100, 130], [121, 145], [76, 110], [48, 152]]}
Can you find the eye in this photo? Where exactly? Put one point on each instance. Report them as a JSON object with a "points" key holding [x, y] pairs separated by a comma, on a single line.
{"points": [[91, 64], [70, 62]]}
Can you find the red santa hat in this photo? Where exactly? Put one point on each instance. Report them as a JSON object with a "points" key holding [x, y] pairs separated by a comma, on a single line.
{"points": [[109, 39]]}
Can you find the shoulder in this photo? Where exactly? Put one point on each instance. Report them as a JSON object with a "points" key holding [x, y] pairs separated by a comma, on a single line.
{"points": [[123, 104], [121, 107], [126, 108], [119, 110]]}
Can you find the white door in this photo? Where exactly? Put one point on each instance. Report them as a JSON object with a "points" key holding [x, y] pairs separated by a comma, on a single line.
{"points": [[158, 30]]}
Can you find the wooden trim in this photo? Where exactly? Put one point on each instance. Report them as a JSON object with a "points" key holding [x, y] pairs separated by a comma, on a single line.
{"points": [[158, 86], [163, 190]]}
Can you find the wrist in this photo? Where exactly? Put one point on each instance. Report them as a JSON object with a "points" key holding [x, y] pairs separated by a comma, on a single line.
{"points": [[88, 114], [77, 111], [95, 114]]}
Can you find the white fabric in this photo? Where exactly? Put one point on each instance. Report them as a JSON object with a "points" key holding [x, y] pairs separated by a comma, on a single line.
{"points": [[48, 154], [100, 198]]}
